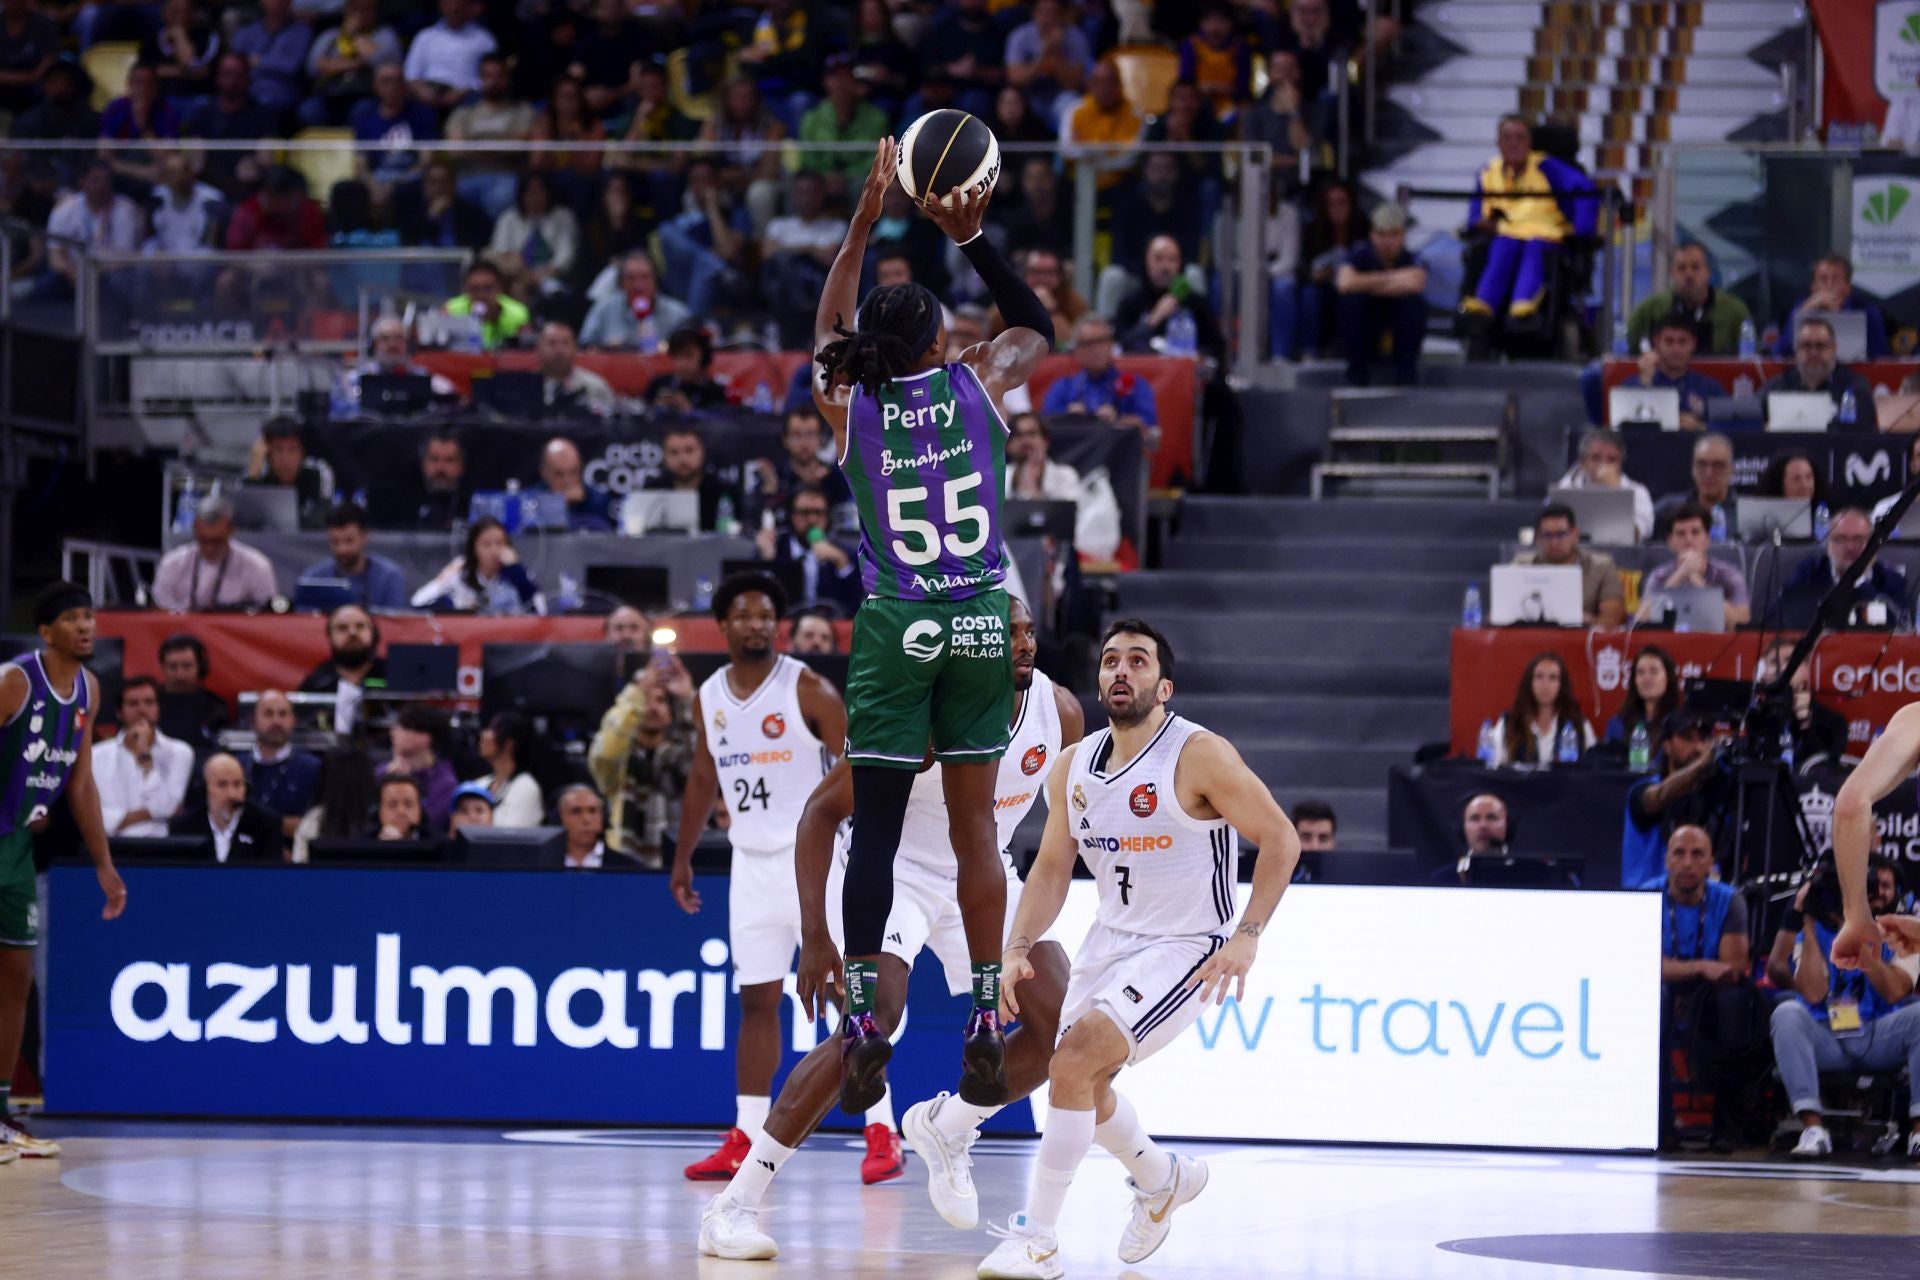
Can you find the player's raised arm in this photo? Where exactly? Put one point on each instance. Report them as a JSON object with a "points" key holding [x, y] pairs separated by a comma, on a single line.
{"points": [[840, 300], [1223, 779], [828, 806], [1046, 885], [1009, 360], [1888, 763]]}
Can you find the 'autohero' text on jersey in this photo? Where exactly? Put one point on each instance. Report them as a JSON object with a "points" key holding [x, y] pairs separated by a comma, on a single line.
{"points": [[739, 759], [979, 636]]}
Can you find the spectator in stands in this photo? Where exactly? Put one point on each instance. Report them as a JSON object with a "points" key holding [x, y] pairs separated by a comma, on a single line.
{"points": [[629, 630], [566, 119], [1833, 291], [93, 215], [1310, 38], [1104, 116], [1819, 734], [964, 43], [279, 459], [187, 215], [214, 571], [1013, 118], [240, 829], [1299, 299], [639, 316], [1556, 541], [1280, 120], [1483, 826], [535, 241], [400, 813], [827, 571], [1653, 694], [583, 816], [501, 317], [1856, 1019], [641, 756], [1713, 317], [746, 136], [1846, 540], [811, 632], [1792, 473], [610, 57], [1602, 465], [278, 216], [63, 114], [1677, 794], [683, 455], [276, 46], [689, 387], [1525, 204], [1668, 364], [1039, 218], [1218, 61], [1317, 825], [566, 388], [486, 578], [232, 115], [1158, 203], [29, 44], [341, 59], [1045, 274], [142, 773], [1048, 56], [703, 243], [1712, 487], [419, 740], [795, 253], [472, 807], [1382, 294], [435, 215], [189, 711], [433, 497], [278, 777], [353, 662], [443, 63], [655, 119], [589, 508], [346, 803], [489, 179], [1543, 716], [1190, 121], [1034, 475], [1816, 367], [375, 581], [1708, 1005], [139, 117], [1688, 538], [1144, 316], [843, 116], [396, 122], [804, 439], [506, 744]]}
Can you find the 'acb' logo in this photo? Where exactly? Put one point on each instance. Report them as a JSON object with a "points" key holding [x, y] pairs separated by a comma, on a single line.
{"points": [[774, 725], [1034, 761], [1144, 800]]}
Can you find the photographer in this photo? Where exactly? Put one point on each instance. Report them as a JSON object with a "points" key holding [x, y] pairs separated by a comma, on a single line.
{"points": [[1844, 1018], [1679, 794]]}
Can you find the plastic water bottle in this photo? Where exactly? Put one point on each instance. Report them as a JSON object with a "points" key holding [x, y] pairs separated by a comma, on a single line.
{"points": [[724, 521], [1183, 339], [648, 338], [568, 597], [762, 401], [184, 508], [1470, 612], [1719, 531], [1749, 341], [1786, 745], [1639, 749], [1822, 520], [702, 593], [1489, 743], [1849, 409], [1569, 745], [1620, 336]]}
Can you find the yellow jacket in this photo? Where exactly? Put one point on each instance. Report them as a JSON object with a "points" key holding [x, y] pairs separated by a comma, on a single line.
{"points": [[1526, 219]]}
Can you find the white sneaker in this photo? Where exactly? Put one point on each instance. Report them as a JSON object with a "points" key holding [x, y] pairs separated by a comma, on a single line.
{"points": [[1814, 1144], [8, 1155], [729, 1229], [1025, 1252], [1153, 1210], [949, 1163], [1913, 1145], [18, 1140]]}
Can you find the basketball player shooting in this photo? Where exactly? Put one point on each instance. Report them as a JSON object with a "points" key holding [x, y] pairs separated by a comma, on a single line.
{"points": [[922, 442]]}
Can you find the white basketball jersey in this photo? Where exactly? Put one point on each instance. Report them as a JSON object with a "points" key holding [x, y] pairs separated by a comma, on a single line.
{"points": [[769, 762], [1160, 871], [1035, 744]]}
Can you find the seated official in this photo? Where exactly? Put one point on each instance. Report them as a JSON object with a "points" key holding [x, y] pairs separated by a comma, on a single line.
{"points": [[1676, 795], [566, 388], [239, 829], [1602, 465], [280, 458], [1669, 364], [1712, 472], [1688, 539], [1816, 367], [1487, 860], [375, 581], [1833, 291], [1846, 540], [1556, 541], [1653, 694], [683, 461], [690, 387], [278, 777], [583, 816], [434, 496], [589, 508], [215, 570], [391, 356]]}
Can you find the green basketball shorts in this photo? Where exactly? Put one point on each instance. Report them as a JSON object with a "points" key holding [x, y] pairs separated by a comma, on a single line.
{"points": [[930, 670], [19, 895]]}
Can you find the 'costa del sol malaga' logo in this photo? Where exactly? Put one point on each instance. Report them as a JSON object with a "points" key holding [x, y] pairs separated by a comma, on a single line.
{"points": [[1884, 206], [923, 641]]}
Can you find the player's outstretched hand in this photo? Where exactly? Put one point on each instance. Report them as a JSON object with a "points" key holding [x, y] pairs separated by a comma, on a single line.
{"points": [[886, 161], [1226, 968], [1855, 937], [1903, 932], [962, 220], [680, 882], [116, 890], [1014, 969], [818, 976]]}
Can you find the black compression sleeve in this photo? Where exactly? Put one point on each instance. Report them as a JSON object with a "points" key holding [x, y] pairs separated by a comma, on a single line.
{"points": [[1019, 306]]}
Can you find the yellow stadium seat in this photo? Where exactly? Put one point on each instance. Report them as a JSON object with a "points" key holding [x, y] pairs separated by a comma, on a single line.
{"points": [[1147, 73], [326, 165], [108, 64], [694, 106]]}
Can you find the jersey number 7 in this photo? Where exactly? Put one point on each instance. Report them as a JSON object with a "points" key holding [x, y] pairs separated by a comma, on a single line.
{"points": [[1126, 885]]}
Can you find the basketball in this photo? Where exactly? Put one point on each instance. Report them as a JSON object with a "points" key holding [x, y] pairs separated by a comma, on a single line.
{"points": [[948, 155]]}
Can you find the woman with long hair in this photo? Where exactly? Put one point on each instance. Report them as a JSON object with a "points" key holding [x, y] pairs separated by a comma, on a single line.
{"points": [[343, 803], [615, 228], [537, 240], [1529, 733], [746, 137], [507, 745], [487, 578], [1792, 473], [1652, 694], [1300, 302]]}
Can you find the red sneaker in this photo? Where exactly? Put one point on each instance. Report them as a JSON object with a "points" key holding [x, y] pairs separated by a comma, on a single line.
{"points": [[724, 1163], [884, 1160]]}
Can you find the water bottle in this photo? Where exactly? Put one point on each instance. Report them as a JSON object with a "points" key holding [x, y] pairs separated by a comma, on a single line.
{"points": [[724, 520], [1719, 531], [1470, 613], [648, 339], [1822, 519], [1183, 339], [184, 508], [1489, 746], [762, 401], [1620, 336], [702, 593], [1639, 749], [568, 597], [1569, 745], [1786, 745], [1849, 409], [1749, 341]]}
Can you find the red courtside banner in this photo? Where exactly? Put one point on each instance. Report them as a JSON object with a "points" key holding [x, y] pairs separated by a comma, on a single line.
{"points": [[1861, 40]]}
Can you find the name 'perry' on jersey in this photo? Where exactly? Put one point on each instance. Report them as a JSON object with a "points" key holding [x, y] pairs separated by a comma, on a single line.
{"points": [[767, 760], [927, 462], [1160, 871]]}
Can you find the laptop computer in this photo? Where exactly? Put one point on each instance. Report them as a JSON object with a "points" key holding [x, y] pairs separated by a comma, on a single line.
{"points": [[423, 668], [323, 595], [660, 511], [395, 395], [1849, 332], [265, 508], [1799, 410], [1689, 608], [1605, 515], [1652, 406], [1735, 411], [509, 393], [1536, 595], [525, 509], [1757, 519], [1052, 517]]}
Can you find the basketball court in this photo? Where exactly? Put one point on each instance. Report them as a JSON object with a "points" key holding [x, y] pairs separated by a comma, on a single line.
{"points": [[153, 1200]]}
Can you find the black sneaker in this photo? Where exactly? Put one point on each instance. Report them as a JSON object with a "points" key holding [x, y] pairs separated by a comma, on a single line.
{"points": [[983, 1075], [864, 1052]]}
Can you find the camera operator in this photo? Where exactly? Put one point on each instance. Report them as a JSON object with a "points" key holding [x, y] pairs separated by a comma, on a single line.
{"points": [[1843, 1019], [1681, 793]]}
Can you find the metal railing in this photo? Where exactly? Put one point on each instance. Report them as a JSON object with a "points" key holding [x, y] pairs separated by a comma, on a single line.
{"points": [[112, 573]]}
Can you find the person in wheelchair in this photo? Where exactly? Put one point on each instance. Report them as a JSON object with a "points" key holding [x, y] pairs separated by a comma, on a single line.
{"points": [[1527, 206]]}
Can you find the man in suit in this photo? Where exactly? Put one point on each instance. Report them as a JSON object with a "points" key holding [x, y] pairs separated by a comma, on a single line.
{"points": [[823, 569], [239, 829]]}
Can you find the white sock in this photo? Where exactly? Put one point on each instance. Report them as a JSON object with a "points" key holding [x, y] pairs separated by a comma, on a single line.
{"points": [[756, 1172], [750, 1113], [881, 1112], [1123, 1137], [1062, 1147], [956, 1118]]}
